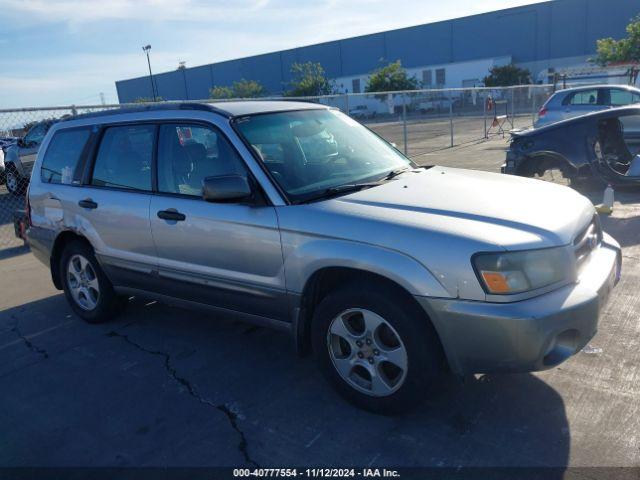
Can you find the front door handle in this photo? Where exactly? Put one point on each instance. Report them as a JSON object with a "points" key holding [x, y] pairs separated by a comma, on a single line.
{"points": [[88, 203], [171, 214]]}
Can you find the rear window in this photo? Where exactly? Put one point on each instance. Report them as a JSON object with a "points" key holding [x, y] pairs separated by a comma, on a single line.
{"points": [[61, 158]]}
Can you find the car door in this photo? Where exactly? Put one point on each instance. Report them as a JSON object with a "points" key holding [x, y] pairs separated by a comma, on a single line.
{"points": [[223, 254], [111, 208]]}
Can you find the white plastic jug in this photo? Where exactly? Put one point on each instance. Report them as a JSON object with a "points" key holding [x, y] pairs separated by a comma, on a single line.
{"points": [[607, 200]]}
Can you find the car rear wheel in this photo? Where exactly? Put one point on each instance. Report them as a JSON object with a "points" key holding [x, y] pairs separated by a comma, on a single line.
{"points": [[88, 290], [377, 349]]}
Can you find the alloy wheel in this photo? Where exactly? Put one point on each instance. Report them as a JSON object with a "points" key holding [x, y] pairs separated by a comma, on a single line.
{"points": [[367, 352], [83, 282]]}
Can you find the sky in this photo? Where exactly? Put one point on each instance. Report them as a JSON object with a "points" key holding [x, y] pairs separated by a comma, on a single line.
{"points": [[61, 52]]}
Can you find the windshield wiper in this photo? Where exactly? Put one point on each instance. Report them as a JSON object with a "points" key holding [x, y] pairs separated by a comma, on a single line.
{"points": [[350, 187], [396, 172], [340, 190]]}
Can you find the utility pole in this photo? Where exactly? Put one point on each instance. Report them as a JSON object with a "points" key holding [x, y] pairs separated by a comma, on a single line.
{"points": [[102, 98], [146, 49]]}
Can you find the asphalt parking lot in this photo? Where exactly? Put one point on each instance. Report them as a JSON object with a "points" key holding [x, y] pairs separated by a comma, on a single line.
{"points": [[161, 386]]}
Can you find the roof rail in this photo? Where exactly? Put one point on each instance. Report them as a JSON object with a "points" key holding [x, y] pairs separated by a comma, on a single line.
{"points": [[149, 108]]}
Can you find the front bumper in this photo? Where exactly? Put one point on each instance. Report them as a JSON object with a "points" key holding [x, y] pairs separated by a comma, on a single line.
{"points": [[529, 335]]}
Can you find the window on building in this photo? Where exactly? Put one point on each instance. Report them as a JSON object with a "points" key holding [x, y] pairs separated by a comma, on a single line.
{"points": [[440, 76], [124, 158], [355, 85], [60, 160], [427, 78], [188, 154]]}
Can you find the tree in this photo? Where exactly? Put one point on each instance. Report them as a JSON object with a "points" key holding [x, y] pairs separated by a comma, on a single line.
{"points": [[506, 76], [391, 78], [240, 89], [625, 50], [309, 80], [27, 126], [248, 89], [221, 92]]}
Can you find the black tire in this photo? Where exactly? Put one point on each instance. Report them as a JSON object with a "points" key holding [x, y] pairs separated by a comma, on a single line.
{"points": [[16, 185], [425, 359], [108, 303]]}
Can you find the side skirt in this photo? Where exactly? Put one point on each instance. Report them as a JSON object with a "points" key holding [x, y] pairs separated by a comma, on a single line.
{"points": [[189, 304]]}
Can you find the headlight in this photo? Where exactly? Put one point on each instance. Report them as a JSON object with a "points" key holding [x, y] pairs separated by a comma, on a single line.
{"points": [[507, 273]]}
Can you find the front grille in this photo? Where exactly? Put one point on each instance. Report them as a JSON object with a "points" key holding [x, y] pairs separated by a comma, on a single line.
{"points": [[587, 240]]}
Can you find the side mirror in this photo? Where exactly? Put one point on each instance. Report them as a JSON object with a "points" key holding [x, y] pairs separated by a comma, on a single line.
{"points": [[226, 188], [20, 142]]}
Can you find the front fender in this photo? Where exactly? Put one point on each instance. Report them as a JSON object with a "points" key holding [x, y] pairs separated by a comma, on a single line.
{"points": [[301, 261]]}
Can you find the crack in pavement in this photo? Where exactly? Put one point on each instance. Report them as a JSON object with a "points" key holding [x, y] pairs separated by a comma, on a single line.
{"points": [[243, 446], [28, 343]]}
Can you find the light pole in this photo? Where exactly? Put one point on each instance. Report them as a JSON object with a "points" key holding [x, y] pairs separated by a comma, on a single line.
{"points": [[146, 49]]}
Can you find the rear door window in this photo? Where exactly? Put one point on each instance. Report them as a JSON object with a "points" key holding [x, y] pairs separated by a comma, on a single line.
{"points": [[124, 158], [61, 158], [583, 97]]}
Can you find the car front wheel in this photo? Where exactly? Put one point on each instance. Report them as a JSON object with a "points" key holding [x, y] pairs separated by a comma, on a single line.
{"points": [[377, 349]]}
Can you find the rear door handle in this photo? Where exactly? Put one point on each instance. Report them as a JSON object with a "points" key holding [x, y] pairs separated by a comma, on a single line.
{"points": [[88, 203], [171, 214]]}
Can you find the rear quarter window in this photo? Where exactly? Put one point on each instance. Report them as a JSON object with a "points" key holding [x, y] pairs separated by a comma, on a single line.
{"points": [[61, 158]]}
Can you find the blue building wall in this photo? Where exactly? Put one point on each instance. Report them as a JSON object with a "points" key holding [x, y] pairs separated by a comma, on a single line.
{"points": [[532, 33]]}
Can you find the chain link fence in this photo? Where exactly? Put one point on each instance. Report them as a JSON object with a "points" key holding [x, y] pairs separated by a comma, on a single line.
{"points": [[424, 121], [417, 122]]}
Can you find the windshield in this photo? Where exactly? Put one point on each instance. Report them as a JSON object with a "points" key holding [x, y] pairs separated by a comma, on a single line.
{"points": [[309, 152]]}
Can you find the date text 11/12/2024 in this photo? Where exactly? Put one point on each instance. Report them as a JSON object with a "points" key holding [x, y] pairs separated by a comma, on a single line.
{"points": [[316, 472]]}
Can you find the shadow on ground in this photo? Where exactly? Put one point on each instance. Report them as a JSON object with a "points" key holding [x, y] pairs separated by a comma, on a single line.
{"points": [[164, 386]]}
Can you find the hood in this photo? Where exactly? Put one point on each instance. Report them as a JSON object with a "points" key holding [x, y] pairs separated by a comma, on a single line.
{"points": [[501, 210]]}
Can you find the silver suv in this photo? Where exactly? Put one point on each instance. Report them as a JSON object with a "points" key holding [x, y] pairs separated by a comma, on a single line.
{"points": [[295, 216]]}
